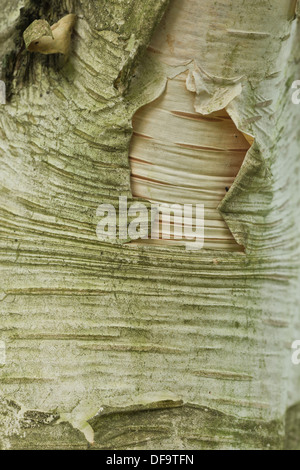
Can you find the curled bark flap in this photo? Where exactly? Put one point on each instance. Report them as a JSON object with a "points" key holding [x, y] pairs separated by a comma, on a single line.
{"points": [[39, 37], [37, 30]]}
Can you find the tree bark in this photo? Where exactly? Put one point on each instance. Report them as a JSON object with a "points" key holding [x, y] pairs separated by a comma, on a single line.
{"points": [[139, 346]]}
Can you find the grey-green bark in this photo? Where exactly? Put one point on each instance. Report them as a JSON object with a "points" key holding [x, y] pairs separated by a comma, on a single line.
{"points": [[176, 349]]}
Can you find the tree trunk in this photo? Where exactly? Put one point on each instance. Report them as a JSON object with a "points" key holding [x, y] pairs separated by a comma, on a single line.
{"points": [[124, 344]]}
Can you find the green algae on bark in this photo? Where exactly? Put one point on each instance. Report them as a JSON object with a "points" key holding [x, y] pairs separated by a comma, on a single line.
{"points": [[90, 324]]}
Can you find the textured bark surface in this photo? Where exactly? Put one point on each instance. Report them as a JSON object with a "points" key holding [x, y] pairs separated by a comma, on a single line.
{"points": [[130, 346]]}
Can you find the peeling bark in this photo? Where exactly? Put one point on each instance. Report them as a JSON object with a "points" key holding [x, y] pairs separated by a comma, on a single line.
{"points": [[177, 349]]}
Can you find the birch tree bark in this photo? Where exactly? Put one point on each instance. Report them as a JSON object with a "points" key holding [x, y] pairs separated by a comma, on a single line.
{"points": [[140, 345]]}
